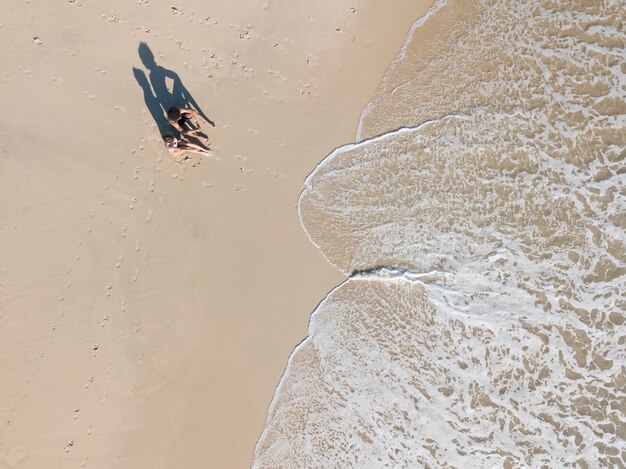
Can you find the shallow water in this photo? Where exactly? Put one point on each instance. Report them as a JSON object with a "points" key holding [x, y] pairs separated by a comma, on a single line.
{"points": [[482, 221]]}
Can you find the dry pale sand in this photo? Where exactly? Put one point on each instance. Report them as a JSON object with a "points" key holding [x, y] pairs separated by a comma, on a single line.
{"points": [[148, 308]]}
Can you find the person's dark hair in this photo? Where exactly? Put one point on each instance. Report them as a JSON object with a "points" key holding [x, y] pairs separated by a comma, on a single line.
{"points": [[168, 138], [173, 113]]}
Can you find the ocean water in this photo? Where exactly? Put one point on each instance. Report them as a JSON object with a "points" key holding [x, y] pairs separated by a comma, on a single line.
{"points": [[481, 219]]}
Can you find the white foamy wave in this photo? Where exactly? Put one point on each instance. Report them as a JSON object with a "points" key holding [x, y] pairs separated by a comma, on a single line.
{"points": [[386, 379], [484, 321]]}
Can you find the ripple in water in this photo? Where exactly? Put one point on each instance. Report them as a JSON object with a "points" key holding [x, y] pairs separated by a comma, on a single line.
{"points": [[482, 219]]}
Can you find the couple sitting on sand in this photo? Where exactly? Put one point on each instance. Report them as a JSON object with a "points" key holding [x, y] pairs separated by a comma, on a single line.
{"points": [[180, 119]]}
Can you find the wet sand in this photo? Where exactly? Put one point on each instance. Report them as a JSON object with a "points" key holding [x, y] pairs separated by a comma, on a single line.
{"points": [[147, 308]]}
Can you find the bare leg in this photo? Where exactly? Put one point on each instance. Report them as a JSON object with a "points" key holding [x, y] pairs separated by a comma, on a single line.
{"points": [[197, 133], [200, 151], [190, 146]]}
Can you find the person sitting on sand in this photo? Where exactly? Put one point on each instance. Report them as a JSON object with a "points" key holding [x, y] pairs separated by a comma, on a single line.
{"points": [[180, 119], [180, 147]]}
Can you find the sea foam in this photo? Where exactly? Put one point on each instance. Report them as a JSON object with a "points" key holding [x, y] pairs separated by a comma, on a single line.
{"points": [[482, 223]]}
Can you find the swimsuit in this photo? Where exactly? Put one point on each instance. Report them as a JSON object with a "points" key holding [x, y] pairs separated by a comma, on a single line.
{"points": [[183, 120]]}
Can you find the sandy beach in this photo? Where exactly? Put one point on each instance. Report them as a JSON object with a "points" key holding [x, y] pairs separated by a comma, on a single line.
{"points": [[148, 308]]}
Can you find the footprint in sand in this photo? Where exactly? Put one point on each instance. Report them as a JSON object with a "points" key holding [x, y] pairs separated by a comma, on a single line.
{"points": [[120, 261], [136, 275], [306, 89], [112, 19], [89, 382], [149, 215], [275, 174], [138, 244]]}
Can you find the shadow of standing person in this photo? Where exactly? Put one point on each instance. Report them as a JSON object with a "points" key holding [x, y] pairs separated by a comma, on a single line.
{"points": [[152, 103], [179, 96]]}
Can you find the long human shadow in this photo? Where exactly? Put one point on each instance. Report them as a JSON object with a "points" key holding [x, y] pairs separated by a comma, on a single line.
{"points": [[157, 96], [152, 103]]}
